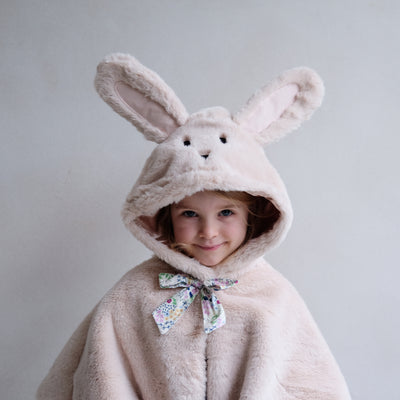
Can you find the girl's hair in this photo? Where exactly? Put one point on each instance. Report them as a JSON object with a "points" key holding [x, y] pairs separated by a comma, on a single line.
{"points": [[262, 216]]}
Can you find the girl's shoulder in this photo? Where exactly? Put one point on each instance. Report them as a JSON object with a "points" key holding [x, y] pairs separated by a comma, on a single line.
{"points": [[266, 282], [136, 283], [264, 275], [145, 272]]}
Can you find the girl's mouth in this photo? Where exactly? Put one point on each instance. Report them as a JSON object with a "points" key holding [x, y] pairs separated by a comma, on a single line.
{"points": [[210, 248]]}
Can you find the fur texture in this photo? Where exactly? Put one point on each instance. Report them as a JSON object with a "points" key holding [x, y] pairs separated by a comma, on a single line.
{"points": [[118, 74], [270, 347]]}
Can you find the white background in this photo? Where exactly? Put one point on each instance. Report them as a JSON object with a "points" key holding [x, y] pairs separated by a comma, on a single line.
{"points": [[67, 162]]}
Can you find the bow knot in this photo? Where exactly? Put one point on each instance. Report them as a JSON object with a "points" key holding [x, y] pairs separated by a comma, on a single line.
{"points": [[169, 312]]}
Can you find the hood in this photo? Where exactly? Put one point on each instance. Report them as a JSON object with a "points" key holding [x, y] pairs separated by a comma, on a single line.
{"points": [[208, 150]]}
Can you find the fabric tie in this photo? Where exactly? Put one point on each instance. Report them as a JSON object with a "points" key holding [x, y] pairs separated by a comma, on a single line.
{"points": [[169, 312]]}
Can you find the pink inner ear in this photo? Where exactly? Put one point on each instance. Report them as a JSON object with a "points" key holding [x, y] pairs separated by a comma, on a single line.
{"points": [[151, 111], [271, 108]]}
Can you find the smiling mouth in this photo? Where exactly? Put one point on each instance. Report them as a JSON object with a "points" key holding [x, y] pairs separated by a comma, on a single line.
{"points": [[210, 248]]}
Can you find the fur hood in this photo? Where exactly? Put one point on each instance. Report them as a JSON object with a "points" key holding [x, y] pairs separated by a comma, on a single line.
{"points": [[208, 150]]}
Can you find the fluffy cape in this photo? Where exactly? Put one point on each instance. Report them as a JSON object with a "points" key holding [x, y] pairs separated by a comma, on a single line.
{"points": [[270, 347]]}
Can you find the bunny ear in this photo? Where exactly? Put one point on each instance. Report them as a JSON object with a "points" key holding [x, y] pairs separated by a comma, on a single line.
{"points": [[283, 105], [139, 95]]}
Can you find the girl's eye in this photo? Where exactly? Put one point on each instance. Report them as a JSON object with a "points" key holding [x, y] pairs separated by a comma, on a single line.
{"points": [[226, 213], [189, 214]]}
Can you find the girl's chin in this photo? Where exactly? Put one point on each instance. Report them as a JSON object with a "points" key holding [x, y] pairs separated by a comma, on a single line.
{"points": [[206, 256], [209, 260]]}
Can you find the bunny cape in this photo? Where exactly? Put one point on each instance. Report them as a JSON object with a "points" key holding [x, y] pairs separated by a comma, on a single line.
{"points": [[270, 347]]}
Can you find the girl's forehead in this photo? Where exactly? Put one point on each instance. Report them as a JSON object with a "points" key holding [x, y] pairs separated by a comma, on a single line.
{"points": [[206, 199]]}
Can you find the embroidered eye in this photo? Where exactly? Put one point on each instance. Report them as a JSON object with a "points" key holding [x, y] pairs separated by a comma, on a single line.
{"points": [[222, 139], [186, 142]]}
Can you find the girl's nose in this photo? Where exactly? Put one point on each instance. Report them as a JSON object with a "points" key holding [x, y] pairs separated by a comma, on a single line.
{"points": [[208, 230]]}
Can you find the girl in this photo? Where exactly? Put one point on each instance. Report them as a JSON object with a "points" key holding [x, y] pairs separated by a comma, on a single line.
{"points": [[197, 217], [206, 316]]}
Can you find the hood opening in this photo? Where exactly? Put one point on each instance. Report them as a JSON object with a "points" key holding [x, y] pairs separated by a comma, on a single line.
{"points": [[262, 217]]}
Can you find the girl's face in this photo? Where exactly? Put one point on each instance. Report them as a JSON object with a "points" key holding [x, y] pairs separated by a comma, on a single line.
{"points": [[210, 226]]}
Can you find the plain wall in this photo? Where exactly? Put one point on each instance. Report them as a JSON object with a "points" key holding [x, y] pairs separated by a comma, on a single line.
{"points": [[67, 162]]}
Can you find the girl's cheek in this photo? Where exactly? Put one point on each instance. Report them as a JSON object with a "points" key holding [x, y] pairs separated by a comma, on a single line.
{"points": [[186, 225], [184, 229]]}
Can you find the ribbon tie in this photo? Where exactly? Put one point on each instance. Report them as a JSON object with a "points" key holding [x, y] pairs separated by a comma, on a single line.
{"points": [[169, 312]]}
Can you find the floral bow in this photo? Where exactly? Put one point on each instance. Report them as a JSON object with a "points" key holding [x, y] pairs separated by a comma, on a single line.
{"points": [[169, 312]]}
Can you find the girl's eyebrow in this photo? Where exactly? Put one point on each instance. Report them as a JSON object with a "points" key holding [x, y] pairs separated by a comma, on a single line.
{"points": [[181, 205], [230, 206]]}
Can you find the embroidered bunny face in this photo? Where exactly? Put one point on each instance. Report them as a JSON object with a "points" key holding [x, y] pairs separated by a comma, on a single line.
{"points": [[208, 142], [208, 150]]}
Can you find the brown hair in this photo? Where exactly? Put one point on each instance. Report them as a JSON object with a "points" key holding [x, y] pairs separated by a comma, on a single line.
{"points": [[262, 216]]}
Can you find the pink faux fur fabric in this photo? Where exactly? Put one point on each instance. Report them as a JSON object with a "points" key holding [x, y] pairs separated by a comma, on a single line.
{"points": [[270, 347]]}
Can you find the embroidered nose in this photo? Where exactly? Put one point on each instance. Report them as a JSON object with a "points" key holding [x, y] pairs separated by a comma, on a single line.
{"points": [[205, 156]]}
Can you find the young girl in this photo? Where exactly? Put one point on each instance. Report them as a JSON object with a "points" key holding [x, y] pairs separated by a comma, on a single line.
{"points": [[206, 316]]}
